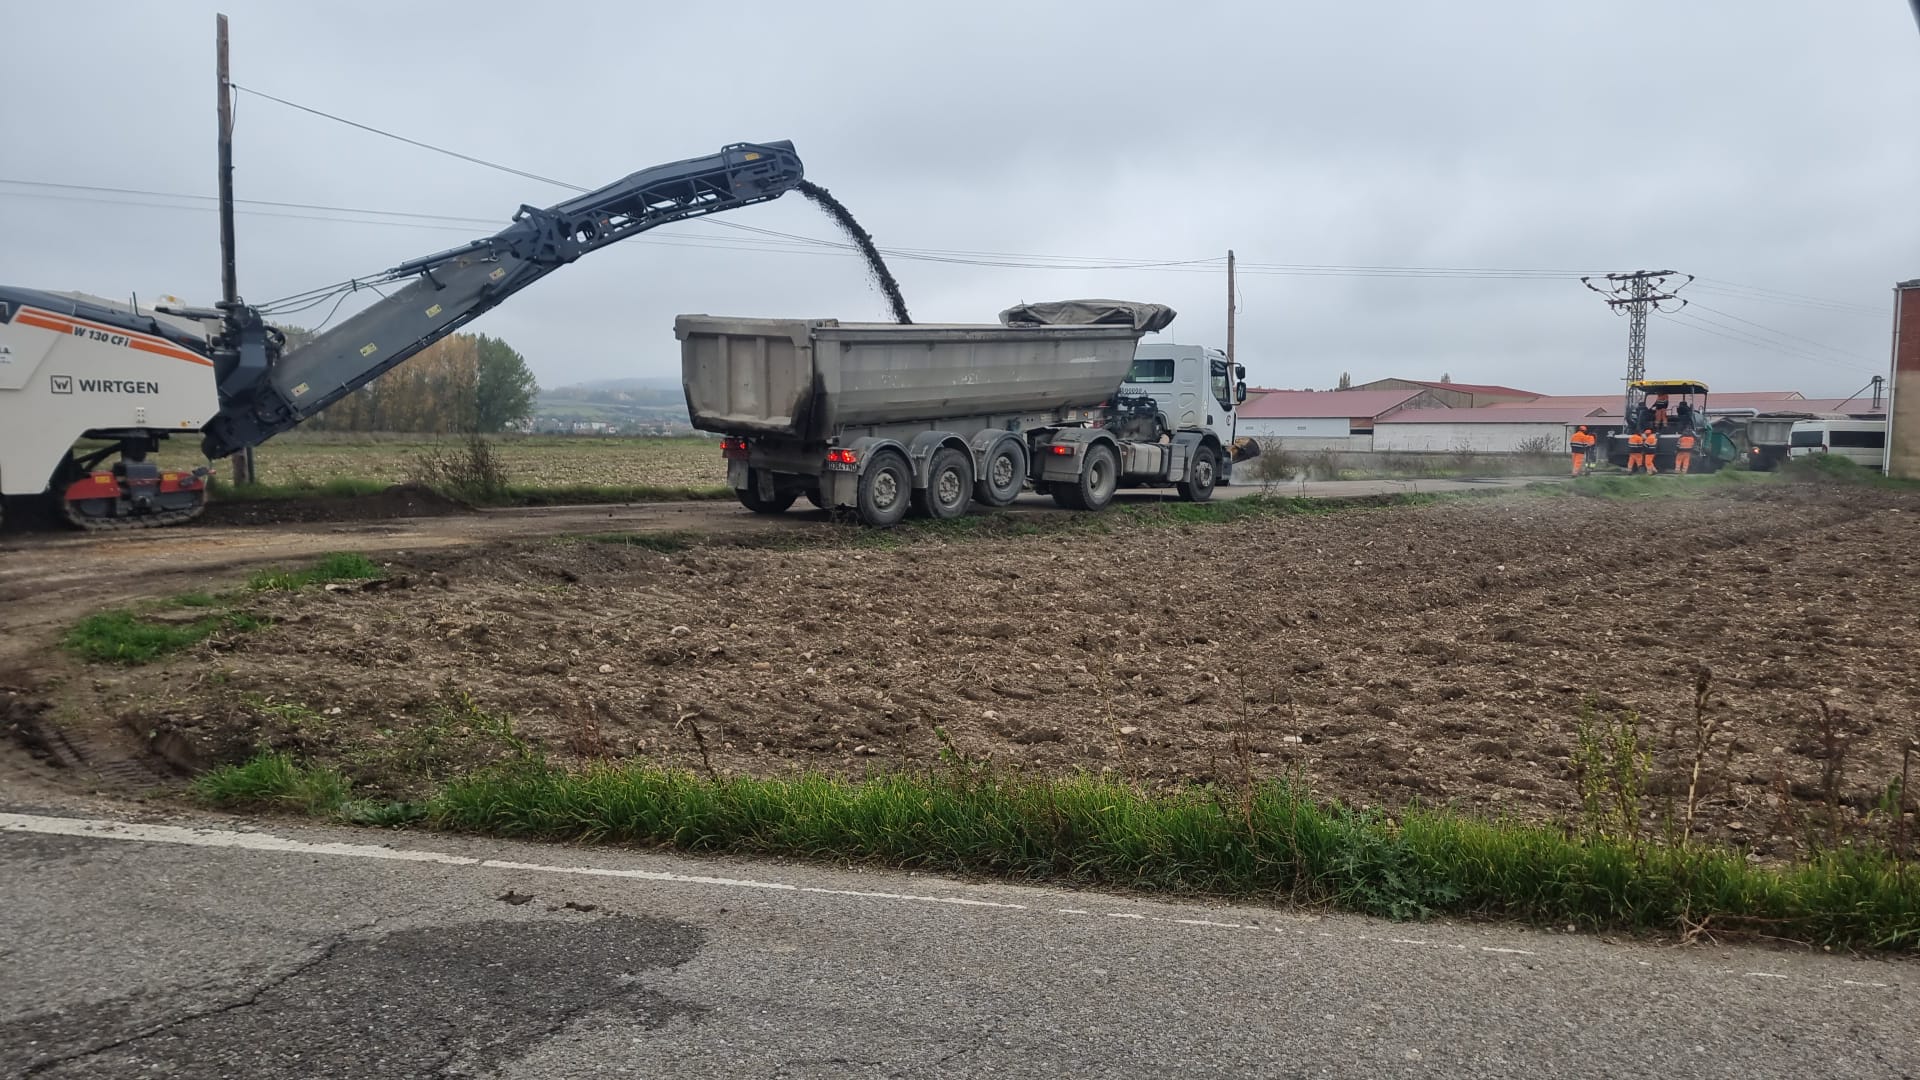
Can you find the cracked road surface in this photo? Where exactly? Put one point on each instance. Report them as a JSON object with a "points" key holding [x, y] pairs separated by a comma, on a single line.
{"points": [[214, 948]]}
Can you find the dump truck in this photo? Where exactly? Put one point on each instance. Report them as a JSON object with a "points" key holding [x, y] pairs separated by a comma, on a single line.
{"points": [[879, 420]]}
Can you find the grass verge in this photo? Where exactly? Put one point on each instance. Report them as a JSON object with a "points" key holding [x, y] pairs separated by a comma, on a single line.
{"points": [[1262, 842], [592, 494], [1820, 469], [339, 487]]}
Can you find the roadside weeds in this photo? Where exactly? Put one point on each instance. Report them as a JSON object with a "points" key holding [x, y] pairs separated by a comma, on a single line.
{"points": [[1261, 840]]}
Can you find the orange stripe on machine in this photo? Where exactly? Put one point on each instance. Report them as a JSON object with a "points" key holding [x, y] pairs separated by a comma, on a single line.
{"points": [[109, 335]]}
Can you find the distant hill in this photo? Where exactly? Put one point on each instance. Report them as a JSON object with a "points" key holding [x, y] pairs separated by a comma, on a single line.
{"points": [[650, 382], [653, 404]]}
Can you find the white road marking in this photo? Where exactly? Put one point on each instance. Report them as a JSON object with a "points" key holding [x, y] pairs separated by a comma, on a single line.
{"points": [[103, 829]]}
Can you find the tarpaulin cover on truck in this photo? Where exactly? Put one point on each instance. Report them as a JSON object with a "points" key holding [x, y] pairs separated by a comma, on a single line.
{"points": [[1145, 318]]}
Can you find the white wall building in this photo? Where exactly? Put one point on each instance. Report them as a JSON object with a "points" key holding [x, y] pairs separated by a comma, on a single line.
{"points": [[1322, 419], [1501, 430]]}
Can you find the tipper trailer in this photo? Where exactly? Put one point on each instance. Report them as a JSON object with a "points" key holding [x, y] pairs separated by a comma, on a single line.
{"points": [[879, 419]]}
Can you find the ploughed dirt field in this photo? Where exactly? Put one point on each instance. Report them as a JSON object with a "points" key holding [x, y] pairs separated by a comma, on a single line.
{"points": [[1438, 653]]}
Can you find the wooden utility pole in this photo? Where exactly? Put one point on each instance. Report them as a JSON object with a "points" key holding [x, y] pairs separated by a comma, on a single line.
{"points": [[242, 460], [1232, 303]]}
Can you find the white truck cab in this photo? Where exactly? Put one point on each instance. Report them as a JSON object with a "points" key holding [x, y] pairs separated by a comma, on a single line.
{"points": [[1194, 386]]}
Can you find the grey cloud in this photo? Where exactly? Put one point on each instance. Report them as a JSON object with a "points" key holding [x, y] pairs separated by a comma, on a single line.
{"points": [[1768, 144]]}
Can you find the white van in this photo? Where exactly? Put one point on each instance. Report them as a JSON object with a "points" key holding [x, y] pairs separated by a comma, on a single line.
{"points": [[1863, 442]]}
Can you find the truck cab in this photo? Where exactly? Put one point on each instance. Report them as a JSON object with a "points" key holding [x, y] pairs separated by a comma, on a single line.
{"points": [[1194, 387]]}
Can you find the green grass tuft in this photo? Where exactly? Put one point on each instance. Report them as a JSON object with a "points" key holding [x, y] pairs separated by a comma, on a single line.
{"points": [[339, 566], [274, 781], [128, 637]]}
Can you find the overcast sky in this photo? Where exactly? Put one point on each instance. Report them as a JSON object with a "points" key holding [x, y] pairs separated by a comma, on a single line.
{"points": [[1759, 144]]}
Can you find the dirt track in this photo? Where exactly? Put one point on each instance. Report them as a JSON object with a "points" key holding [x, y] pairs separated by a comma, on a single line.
{"points": [[51, 577], [1438, 653]]}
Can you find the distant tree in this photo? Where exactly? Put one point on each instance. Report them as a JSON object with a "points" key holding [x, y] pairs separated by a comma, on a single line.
{"points": [[1346, 381], [504, 387], [297, 336], [1445, 378]]}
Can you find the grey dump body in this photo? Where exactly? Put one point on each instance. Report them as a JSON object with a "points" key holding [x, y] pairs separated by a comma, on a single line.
{"points": [[867, 416], [811, 381]]}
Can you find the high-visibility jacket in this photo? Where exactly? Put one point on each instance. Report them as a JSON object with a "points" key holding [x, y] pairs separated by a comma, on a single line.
{"points": [[1686, 442], [1635, 441], [1582, 439]]}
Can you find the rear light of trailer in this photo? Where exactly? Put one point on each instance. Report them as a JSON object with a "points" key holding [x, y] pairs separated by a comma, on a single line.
{"points": [[733, 448], [1062, 449], [842, 455]]}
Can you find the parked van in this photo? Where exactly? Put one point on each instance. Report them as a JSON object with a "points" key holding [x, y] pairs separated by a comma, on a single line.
{"points": [[1863, 442]]}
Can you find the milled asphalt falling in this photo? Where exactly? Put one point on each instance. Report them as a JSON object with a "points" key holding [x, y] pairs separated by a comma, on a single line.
{"points": [[267, 951]]}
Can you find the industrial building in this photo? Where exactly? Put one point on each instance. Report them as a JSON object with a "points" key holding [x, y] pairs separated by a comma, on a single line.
{"points": [[1339, 420], [1410, 416], [1455, 395], [1513, 430]]}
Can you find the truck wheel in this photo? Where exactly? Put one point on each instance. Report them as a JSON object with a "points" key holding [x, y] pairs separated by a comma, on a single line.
{"points": [[886, 490], [750, 497], [1206, 466], [1099, 478], [1002, 474], [949, 490]]}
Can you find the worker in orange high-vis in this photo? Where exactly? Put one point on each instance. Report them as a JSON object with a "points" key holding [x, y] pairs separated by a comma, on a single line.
{"points": [[1634, 457], [1582, 442], [1683, 458], [1660, 412], [1649, 447]]}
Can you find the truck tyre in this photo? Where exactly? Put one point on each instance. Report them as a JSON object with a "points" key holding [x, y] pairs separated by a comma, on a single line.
{"points": [[1099, 478], [949, 490], [750, 497], [1205, 473], [1002, 474], [886, 490]]}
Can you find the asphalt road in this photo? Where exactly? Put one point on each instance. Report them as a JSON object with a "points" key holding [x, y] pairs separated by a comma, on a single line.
{"points": [[162, 951]]}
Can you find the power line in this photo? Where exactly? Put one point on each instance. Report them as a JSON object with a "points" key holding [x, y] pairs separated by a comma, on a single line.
{"points": [[1771, 330], [409, 142], [937, 255], [772, 240], [1777, 302], [1735, 334], [1719, 284]]}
